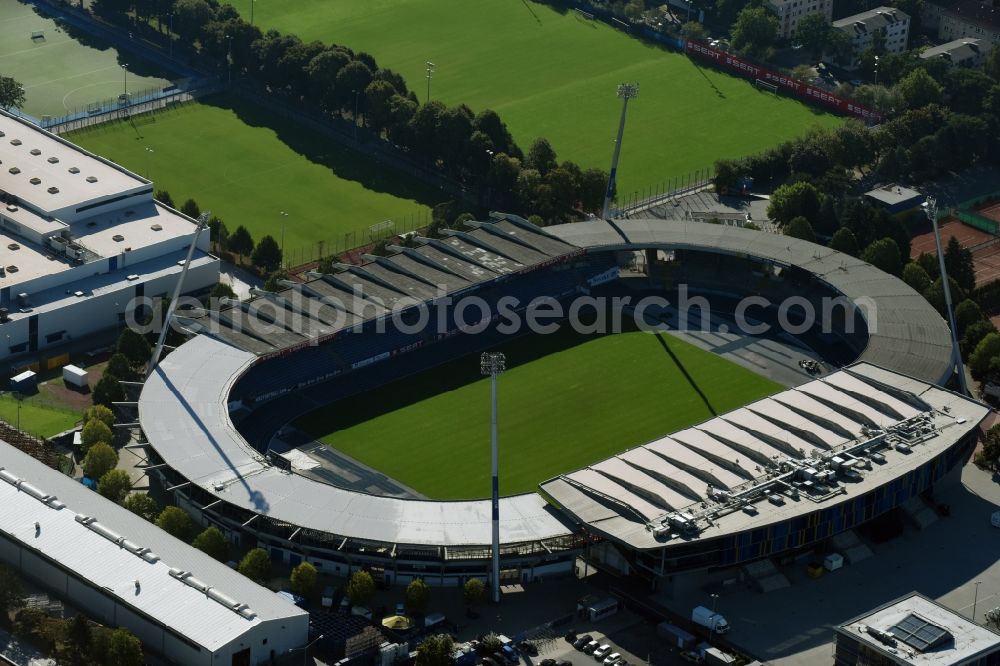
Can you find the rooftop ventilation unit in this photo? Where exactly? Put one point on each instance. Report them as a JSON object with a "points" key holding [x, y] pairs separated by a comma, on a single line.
{"points": [[91, 179], [13, 246], [74, 170], [15, 142], [132, 278], [35, 151], [11, 208], [14, 170], [156, 227], [53, 160], [53, 190], [35, 181], [2, 133], [118, 238], [12, 269]]}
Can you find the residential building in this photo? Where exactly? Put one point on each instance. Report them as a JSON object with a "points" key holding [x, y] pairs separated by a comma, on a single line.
{"points": [[790, 12], [953, 19], [892, 24], [963, 52]]}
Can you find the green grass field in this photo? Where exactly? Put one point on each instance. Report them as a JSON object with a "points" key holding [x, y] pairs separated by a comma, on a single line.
{"points": [[37, 416], [554, 75], [65, 70], [248, 165], [565, 402]]}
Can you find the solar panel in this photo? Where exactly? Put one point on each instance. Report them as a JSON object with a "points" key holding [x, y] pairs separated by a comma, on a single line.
{"points": [[919, 634]]}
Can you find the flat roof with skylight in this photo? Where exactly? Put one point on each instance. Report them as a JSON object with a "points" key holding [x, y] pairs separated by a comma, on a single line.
{"points": [[49, 173], [916, 631]]}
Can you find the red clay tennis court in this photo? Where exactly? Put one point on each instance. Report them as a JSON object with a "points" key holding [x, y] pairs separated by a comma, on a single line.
{"points": [[950, 226]]}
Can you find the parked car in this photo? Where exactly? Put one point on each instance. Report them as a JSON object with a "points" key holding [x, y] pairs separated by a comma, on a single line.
{"points": [[602, 652], [590, 647], [582, 640], [564, 662], [612, 659], [571, 636]]}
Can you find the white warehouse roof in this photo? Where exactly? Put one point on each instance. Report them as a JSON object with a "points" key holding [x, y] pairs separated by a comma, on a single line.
{"points": [[112, 548]]}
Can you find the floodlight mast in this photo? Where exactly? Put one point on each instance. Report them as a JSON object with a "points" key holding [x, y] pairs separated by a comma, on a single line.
{"points": [[930, 207], [492, 364], [626, 91], [202, 223]]}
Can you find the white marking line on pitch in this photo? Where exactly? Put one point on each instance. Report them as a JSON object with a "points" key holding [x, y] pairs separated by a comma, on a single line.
{"points": [[75, 76]]}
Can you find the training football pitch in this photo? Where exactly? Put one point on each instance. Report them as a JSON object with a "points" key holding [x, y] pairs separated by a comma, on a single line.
{"points": [[252, 167], [554, 75], [565, 402], [65, 70]]}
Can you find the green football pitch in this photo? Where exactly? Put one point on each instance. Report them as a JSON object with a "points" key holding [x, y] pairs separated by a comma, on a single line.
{"points": [[554, 75], [564, 402], [64, 71], [249, 166]]}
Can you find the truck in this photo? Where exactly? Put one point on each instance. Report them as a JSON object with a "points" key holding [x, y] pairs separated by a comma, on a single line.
{"points": [[709, 619]]}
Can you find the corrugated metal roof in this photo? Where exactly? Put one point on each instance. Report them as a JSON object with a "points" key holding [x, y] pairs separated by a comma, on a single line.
{"points": [[93, 555]]}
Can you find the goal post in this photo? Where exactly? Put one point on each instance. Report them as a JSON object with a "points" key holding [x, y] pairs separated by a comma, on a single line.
{"points": [[764, 85], [37, 34]]}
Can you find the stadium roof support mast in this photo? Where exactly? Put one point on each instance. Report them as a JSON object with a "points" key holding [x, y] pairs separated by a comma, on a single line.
{"points": [[930, 207], [626, 91], [202, 223], [492, 364]]}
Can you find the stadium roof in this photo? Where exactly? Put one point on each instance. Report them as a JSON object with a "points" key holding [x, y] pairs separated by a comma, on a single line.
{"points": [[329, 303], [185, 418], [913, 630], [78, 175], [701, 472], [908, 335], [57, 517]]}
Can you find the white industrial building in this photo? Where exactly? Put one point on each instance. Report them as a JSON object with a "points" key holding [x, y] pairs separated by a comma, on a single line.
{"points": [[80, 237], [124, 571]]}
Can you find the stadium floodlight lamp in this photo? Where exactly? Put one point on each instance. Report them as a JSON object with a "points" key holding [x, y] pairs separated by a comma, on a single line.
{"points": [[492, 363], [628, 90]]}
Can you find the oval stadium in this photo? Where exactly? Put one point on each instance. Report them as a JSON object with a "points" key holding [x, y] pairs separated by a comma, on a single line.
{"points": [[663, 487]]}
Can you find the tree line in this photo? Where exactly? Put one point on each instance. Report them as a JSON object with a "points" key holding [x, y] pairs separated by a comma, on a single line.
{"points": [[476, 149]]}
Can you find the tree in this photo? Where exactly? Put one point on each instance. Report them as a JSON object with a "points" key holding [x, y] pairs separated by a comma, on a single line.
{"points": [[11, 93], [142, 505], [418, 596], [124, 649], [436, 650], [354, 76], [78, 637], [212, 543], [93, 432], [100, 459], [164, 198], [967, 313], [99, 413], [360, 588], [840, 47], [918, 89], [120, 367], [190, 208], [843, 240], [474, 592], [982, 357], [541, 157], [799, 227], [491, 643], [884, 255], [114, 485], [218, 231], [267, 254], [256, 565], [241, 242], [993, 64], [11, 592], [968, 89], [592, 183], [754, 30], [107, 391], [799, 199], [322, 73], [190, 16], [814, 34], [303, 579], [958, 262], [176, 522], [135, 347], [915, 276], [694, 30], [974, 334]]}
